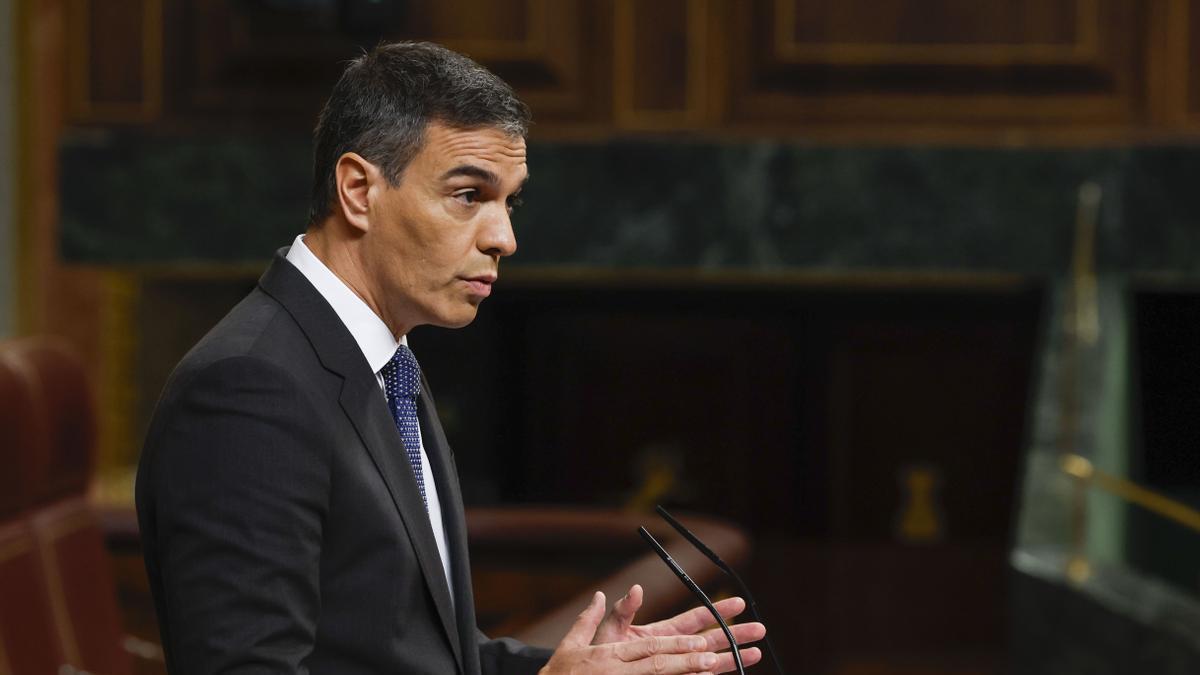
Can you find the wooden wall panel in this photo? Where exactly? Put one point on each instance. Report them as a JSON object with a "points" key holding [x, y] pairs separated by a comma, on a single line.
{"points": [[965, 435], [660, 64], [559, 69], [115, 54], [895, 70], [227, 59], [55, 298], [247, 61], [935, 31], [115, 71], [804, 63], [1187, 15]]}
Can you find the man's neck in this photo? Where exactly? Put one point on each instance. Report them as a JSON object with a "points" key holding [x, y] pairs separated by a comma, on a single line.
{"points": [[340, 255]]}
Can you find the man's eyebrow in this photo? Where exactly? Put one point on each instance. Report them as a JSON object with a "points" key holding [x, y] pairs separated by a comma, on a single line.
{"points": [[474, 172]]}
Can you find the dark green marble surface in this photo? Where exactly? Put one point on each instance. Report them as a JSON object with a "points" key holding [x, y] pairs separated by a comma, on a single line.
{"points": [[762, 205], [150, 199]]}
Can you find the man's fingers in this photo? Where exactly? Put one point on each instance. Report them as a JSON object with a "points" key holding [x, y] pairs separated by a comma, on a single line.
{"points": [[615, 626], [742, 632], [725, 663], [662, 654], [636, 650], [584, 628], [698, 618], [624, 609], [729, 607], [674, 664], [658, 655]]}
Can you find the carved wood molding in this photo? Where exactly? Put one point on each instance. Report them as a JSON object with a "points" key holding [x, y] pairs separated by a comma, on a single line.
{"points": [[533, 47], [630, 72], [616, 65], [1172, 77], [228, 60], [1084, 49], [91, 66], [1083, 63]]}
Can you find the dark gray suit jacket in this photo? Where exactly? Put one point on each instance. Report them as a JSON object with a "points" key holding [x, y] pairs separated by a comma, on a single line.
{"points": [[282, 526]]}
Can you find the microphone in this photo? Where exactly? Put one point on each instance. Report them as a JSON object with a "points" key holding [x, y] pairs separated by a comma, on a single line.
{"points": [[716, 559], [695, 589]]}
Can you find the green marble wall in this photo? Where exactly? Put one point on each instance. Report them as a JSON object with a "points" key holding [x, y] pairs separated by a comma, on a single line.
{"points": [[8, 178], [139, 198]]}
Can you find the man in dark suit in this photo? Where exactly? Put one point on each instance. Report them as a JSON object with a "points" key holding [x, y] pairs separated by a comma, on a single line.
{"points": [[299, 504]]}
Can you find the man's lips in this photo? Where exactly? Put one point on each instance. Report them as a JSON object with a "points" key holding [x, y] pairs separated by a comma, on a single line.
{"points": [[481, 285]]}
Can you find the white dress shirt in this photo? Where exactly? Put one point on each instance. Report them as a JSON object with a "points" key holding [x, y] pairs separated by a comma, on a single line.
{"points": [[378, 345]]}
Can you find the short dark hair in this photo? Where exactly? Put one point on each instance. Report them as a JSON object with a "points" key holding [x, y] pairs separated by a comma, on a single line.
{"points": [[386, 98]]}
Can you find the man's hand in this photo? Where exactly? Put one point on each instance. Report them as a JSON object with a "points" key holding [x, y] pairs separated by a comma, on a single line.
{"points": [[657, 655], [618, 627]]}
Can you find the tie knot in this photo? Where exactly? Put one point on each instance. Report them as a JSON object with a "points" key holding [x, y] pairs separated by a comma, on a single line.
{"points": [[402, 375]]}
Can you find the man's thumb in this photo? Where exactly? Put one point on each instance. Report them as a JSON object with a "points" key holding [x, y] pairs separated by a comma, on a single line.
{"points": [[584, 629]]}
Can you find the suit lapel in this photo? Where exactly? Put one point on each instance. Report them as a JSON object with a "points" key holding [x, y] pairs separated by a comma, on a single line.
{"points": [[364, 405], [445, 474], [367, 410]]}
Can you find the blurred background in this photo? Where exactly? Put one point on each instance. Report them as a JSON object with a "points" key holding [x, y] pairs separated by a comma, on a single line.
{"points": [[903, 293]]}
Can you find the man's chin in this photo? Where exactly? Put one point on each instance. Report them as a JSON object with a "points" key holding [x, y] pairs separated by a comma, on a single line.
{"points": [[459, 319]]}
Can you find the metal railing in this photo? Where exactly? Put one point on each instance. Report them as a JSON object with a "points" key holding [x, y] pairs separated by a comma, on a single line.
{"points": [[1087, 476]]}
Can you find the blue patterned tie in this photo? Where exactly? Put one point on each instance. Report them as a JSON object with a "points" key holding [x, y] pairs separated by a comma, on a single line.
{"points": [[402, 381]]}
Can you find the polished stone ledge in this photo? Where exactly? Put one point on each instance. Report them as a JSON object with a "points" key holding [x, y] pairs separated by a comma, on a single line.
{"points": [[135, 198]]}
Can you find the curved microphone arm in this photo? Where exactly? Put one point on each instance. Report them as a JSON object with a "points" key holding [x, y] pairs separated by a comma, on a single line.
{"points": [[716, 559], [695, 589]]}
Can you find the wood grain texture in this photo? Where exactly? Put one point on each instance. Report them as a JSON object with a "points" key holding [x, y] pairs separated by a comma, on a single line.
{"points": [[924, 62], [114, 56], [893, 70]]}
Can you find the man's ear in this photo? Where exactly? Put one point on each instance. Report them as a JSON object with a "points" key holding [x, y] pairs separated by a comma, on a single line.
{"points": [[354, 177]]}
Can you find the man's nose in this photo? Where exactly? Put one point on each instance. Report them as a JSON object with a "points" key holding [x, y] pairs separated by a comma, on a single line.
{"points": [[497, 238]]}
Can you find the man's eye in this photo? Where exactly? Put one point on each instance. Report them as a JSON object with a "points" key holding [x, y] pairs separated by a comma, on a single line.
{"points": [[515, 202], [466, 196]]}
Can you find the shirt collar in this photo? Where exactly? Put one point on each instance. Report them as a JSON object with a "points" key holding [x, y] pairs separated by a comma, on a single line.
{"points": [[373, 336]]}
